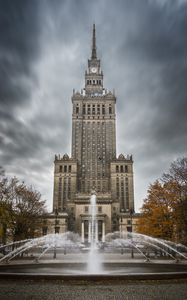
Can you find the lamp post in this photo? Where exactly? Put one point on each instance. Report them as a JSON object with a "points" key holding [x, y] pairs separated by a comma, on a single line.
{"points": [[56, 230], [56, 220], [132, 250]]}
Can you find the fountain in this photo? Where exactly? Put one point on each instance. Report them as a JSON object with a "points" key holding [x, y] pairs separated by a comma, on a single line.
{"points": [[94, 262], [64, 255]]}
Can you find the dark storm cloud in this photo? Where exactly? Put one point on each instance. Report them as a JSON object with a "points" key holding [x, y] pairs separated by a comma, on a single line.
{"points": [[163, 46], [156, 50], [44, 48], [18, 47], [19, 51]]}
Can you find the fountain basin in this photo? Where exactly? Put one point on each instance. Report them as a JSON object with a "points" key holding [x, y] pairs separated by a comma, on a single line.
{"points": [[135, 270]]}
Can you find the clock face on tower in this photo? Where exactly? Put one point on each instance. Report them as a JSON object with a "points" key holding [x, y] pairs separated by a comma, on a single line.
{"points": [[93, 70]]}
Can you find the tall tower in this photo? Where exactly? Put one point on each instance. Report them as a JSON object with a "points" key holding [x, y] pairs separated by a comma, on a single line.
{"points": [[93, 129], [93, 163]]}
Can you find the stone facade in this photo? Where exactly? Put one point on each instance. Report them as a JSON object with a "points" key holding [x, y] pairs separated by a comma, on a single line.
{"points": [[93, 164]]}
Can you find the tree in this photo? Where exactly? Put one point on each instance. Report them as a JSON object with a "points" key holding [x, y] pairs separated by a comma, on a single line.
{"points": [[28, 211], [21, 210], [7, 196], [164, 211], [158, 211], [178, 173]]}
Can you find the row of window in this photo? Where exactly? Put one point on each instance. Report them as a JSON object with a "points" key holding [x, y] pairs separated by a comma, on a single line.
{"points": [[66, 190], [65, 169], [122, 169], [93, 109], [86, 209], [94, 81], [92, 124]]}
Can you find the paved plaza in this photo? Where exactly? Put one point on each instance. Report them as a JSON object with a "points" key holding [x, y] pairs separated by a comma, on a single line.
{"points": [[57, 290]]}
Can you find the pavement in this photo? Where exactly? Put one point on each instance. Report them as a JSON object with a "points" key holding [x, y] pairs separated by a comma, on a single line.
{"points": [[126, 290]]}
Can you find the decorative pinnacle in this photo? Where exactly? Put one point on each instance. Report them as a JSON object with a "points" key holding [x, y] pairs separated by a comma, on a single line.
{"points": [[94, 52]]}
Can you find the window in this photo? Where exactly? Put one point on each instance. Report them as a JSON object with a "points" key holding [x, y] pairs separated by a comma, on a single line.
{"points": [[86, 209], [57, 229], [60, 168], [65, 169], [98, 109], [121, 169], [88, 109], [117, 169], [126, 169], [44, 229], [77, 110], [87, 81], [100, 209], [69, 169], [60, 184], [84, 109], [129, 229], [103, 109], [110, 110]]}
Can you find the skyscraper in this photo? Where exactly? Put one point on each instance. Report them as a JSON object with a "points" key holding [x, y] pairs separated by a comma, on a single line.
{"points": [[93, 165]]}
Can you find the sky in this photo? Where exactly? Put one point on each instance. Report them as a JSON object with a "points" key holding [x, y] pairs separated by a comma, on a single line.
{"points": [[44, 47]]}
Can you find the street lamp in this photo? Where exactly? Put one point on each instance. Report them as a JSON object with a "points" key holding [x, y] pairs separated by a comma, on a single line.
{"points": [[132, 250], [56, 230], [56, 221]]}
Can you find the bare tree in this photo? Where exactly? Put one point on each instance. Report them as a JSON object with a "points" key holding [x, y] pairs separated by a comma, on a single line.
{"points": [[28, 212], [178, 174]]}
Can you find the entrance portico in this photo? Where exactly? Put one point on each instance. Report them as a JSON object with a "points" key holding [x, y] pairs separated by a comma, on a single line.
{"points": [[86, 228]]}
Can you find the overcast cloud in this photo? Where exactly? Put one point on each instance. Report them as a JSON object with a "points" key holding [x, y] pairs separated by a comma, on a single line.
{"points": [[44, 47]]}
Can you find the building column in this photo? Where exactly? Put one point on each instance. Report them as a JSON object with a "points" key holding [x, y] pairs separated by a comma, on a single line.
{"points": [[89, 232], [96, 231], [103, 231], [82, 232]]}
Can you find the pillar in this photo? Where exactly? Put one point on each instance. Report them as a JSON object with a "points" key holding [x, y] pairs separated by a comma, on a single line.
{"points": [[96, 231], [82, 232], [103, 231], [89, 232]]}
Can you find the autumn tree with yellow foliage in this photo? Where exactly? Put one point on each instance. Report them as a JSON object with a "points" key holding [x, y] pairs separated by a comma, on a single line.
{"points": [[164, 211]]}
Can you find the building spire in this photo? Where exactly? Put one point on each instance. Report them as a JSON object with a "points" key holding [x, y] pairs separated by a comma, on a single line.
{"points": [[94, 52]]}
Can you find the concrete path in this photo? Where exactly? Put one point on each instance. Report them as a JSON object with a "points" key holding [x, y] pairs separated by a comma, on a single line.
{"points": [[57, 290]]}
